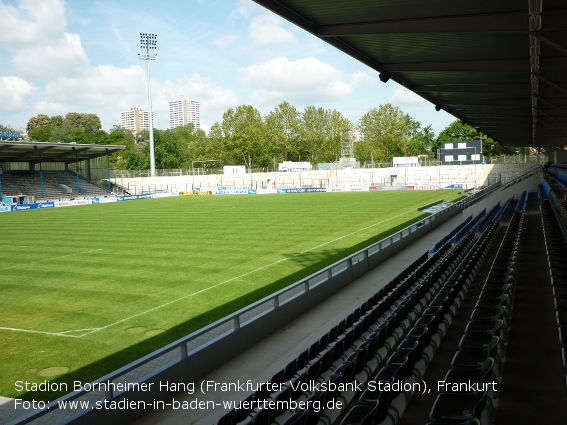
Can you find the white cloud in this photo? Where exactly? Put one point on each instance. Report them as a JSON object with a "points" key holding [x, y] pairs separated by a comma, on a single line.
{"points": [[406, 97], [106, 90], [109, 90], [14, 92], [31, 21], [267, 31], [226, 41], [62, 57], [362, 79], [245, 9], [304, 80]]}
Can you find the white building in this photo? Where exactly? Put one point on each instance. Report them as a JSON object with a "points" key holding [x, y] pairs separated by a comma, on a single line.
{"points": [[184, 111], [135, 120]]}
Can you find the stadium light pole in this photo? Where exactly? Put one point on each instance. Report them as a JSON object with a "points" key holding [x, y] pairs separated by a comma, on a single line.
{"points": [[148, 44]]}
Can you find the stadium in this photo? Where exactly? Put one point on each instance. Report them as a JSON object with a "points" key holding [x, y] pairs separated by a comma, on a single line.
{"points": [[423, 295]]}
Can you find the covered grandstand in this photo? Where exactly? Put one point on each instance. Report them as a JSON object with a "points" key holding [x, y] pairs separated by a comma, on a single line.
{"points": [[34, 171]]}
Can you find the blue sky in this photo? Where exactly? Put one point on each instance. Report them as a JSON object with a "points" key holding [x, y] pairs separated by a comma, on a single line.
{"points": [[60, 56]]}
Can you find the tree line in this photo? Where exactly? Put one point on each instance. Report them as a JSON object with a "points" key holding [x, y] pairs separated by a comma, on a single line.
{"points": [[245, 137]]}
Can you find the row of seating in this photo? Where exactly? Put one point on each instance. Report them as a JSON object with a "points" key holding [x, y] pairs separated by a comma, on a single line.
{"points": [[481, 350], [377, 406], [559, 175], [69, 180], [362, 340], [30, 185], [556, 245], [368, 411]]}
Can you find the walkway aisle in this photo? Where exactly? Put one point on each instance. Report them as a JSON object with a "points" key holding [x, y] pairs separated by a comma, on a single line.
{"points": [[533, 387]]}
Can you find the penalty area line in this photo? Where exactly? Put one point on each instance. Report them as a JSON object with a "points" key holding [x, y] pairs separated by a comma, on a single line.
{"points": [[238, 277], [2, 328]]}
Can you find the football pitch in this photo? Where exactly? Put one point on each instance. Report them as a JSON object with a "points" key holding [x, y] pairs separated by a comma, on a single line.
{"points": [[87, 289]]}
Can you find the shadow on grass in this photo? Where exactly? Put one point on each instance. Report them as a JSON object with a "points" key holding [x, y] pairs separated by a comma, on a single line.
{"points": [[313, 262]]}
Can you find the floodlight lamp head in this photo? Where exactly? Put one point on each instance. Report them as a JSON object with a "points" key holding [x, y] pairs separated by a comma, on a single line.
{"points": [[384, 76]]}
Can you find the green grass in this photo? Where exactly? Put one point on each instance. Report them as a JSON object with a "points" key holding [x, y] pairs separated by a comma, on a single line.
{"points": [[93, 272]]}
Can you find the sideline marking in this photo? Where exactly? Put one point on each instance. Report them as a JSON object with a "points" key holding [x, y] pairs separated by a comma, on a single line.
{"points": [[92, 330]]}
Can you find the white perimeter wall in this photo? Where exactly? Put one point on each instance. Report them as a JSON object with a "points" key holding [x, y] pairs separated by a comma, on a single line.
{"points": [[468, 175]]}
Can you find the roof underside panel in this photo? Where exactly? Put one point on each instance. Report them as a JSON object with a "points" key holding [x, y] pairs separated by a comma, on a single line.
{"points": [[36, 152], [500, 66]]}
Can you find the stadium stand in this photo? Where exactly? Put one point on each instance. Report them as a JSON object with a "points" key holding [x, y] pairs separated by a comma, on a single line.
{"points": [[29, 183], [55, 185]]}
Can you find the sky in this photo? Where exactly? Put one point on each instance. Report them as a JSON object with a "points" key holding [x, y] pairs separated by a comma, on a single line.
{"points": [[82, 56]]}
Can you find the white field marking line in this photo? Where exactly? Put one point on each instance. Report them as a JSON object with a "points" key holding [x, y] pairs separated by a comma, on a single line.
{"points": [[51, 258], [39, 332], [238, 277]]}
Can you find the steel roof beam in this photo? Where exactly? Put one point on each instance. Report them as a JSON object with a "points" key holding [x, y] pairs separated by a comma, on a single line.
{"points": [[515, 65]]}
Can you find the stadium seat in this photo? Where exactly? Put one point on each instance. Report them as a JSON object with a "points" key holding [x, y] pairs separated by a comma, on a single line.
{"points": [[563, 335], [228, 419], [457, 408], [464, 376], [361, 415], [263, 417], [289, 371], [302, 360], [297, 384], [284, 397], [298, 418], [313, 413]]}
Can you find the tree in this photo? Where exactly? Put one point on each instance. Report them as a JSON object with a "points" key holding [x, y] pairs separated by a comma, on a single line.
{"points": [[315, 130], [88, 123], [244, 136], [386, 130], [100, 137], [421, 139], [211, 147], [41, 133], [80, 137], [39, 120], [57, 120], [282, 131], [457, 130], [169, 150], [120, 136], [63, 134], [332, 147]]}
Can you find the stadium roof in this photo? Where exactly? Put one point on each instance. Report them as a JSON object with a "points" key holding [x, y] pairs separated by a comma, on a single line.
{"points": [[500, 66], [52, 152]]}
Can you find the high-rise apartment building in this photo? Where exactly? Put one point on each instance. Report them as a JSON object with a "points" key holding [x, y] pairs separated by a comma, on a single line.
{"points": [[184, 111], [135, 120]]}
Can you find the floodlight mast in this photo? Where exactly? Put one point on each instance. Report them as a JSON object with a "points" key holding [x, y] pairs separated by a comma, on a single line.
{"points": [[148, 46]]}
